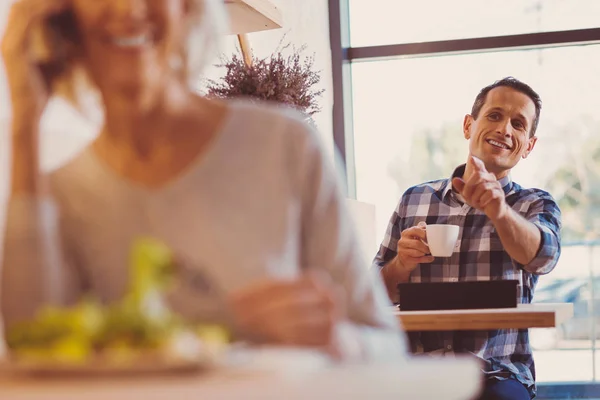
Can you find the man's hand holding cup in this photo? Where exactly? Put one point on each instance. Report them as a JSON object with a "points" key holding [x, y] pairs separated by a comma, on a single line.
{"points": [[412, 248], [422, 243]]}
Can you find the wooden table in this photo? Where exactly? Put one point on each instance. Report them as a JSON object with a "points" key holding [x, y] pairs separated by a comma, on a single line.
{"points": [[538, 315], [278, 375]]}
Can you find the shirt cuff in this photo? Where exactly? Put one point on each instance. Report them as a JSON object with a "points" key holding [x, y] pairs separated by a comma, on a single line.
{"points": [[546, 257]]}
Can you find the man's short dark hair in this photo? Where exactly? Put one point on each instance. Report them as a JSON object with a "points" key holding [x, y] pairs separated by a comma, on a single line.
{"points": [[518, 86]]}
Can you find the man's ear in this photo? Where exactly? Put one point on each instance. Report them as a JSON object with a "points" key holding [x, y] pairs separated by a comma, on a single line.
{"points": [[530, 145], [467, 122]]}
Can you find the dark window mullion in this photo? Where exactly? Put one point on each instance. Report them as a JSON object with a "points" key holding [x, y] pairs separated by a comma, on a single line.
{"points": [[343, 132], [482, 44]]}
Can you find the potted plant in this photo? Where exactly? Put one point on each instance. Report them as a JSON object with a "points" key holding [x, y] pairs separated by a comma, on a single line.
{"points": [[286, 77]]}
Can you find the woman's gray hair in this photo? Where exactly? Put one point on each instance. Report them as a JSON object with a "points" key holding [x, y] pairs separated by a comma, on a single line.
{"points": [[207, 28]]}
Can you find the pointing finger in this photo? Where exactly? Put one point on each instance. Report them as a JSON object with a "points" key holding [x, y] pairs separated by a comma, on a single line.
{"points": [[477, 164]]}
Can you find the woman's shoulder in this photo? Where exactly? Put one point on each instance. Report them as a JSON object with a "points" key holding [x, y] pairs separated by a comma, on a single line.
{"points": [[267, 126], [268, 117]]}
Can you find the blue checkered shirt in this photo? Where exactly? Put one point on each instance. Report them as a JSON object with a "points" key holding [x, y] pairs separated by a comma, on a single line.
{"points": [[479, 255]]}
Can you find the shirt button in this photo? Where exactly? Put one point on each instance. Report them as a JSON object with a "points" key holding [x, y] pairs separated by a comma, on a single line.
{"points": [[453, 279]]}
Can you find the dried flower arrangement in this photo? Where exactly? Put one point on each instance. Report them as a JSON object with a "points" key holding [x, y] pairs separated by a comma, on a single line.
{"points": [[287, 79]]}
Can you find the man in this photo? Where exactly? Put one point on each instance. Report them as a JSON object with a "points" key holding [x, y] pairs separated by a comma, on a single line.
{"points": [[507, 232]]}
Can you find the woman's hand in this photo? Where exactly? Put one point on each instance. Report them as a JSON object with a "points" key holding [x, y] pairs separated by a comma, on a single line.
{"points": [[28, 92], [304, 312]]}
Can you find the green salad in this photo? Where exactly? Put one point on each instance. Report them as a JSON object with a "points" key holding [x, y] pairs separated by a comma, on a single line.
{"points": [[140, 322]]}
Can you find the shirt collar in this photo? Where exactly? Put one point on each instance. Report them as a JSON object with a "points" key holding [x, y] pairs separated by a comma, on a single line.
{"points": [[506, 182]]}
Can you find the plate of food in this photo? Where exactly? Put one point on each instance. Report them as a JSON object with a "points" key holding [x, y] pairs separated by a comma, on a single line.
{"points": [[137, 335]]}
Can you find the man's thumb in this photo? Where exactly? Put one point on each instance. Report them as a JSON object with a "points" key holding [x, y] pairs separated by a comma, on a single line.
{"points": [[477, 163], [458, 184]]}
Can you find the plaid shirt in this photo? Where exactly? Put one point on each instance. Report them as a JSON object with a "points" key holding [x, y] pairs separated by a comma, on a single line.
{"points": [[479, 255]]}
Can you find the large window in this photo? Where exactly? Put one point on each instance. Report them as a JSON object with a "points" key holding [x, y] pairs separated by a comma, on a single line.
{"points": [[402, 120], [379, 22], [408, 117]]}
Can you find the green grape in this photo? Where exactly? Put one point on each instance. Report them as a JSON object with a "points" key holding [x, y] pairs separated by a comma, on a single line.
{"points": [[71, 349], [21, 335], [42, 331], [32, 354], [213, 334], [125, 322], [120, 352], [151, 264], [87, 318]]}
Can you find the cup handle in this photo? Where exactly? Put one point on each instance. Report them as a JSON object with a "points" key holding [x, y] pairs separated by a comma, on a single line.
{"points": [[426, 244]]}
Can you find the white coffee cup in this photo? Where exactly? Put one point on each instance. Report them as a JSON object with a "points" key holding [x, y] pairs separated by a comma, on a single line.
{"points": [[441, 239]]}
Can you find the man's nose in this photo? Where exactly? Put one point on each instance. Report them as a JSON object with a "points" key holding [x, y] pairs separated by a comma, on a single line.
{"points": [[505, 128]]}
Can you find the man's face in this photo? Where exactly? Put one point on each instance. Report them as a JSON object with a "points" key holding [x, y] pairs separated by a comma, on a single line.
{"points": [[500, 134]]}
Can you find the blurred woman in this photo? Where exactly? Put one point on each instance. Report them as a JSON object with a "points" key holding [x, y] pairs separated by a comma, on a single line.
{"points": [[244, 194]]}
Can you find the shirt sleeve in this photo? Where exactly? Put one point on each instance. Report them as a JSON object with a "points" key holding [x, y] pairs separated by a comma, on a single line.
{"points": [[329, 242], [389, 246], [35, 269], [545, 214]]}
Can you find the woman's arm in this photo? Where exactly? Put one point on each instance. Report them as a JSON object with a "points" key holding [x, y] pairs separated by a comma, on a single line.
{"points": [[330, 242], [34, 270]]}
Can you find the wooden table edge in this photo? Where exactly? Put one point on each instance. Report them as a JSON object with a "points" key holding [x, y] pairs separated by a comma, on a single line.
{"points": [[484, 320]]}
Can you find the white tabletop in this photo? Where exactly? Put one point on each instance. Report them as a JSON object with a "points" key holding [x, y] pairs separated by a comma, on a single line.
{"points": [[273, 374]]}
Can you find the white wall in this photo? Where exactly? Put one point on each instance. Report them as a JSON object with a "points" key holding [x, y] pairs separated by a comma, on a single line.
{"points": [[363, 216]]}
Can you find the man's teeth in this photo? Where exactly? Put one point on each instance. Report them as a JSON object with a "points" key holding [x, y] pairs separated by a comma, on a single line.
{"points": [[498, 144], [132, 41]]}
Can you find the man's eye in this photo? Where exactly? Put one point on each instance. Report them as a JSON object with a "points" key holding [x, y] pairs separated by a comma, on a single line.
{"points": [[494, 116], [518, 124]]}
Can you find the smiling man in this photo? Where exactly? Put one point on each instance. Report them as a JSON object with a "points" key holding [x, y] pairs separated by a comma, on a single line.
{"points": [[506, 232]]}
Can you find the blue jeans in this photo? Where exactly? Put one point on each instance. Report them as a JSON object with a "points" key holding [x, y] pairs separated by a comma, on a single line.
{"points": [[508, 389]]}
